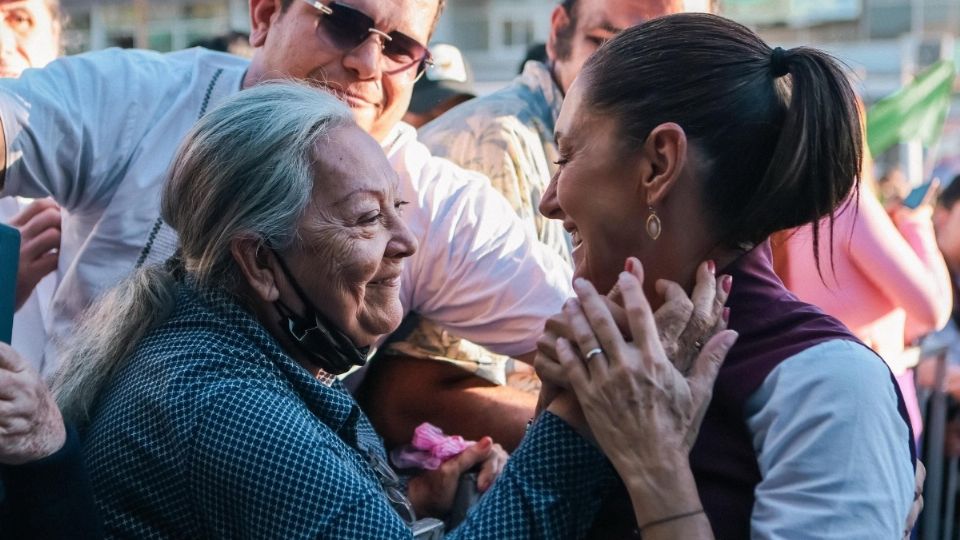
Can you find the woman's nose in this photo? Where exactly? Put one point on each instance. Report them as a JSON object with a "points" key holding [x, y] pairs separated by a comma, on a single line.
{"points": [[549, 205]]}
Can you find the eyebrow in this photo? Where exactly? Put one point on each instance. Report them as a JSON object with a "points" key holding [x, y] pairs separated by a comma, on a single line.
{"points": [[358, 191], [374, 192]]}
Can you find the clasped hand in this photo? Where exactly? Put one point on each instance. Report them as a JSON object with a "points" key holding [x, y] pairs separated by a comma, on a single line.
{"points": [[655, 374], [432, 492]]}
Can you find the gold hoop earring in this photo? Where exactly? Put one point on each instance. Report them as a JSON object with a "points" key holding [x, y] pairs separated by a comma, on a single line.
{"points": [[654, 227]]}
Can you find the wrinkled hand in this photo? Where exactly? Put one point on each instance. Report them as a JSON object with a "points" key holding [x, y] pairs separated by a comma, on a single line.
{"points": [[642, 410], [920, 476], [31, 426], [39, 226], [683, 323], [432, 492]]}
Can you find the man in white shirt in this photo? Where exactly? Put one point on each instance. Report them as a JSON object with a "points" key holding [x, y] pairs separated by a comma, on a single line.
{"points": [[97, 133]]}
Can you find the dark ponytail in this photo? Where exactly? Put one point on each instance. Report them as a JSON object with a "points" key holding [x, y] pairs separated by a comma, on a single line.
{"points": [[780, 130], [819, 153]]}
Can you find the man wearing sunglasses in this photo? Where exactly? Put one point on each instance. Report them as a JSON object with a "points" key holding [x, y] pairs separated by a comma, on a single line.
{"points": [[97, 132]]}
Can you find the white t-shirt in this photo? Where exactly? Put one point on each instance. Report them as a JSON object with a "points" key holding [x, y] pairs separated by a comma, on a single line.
{"points": [[97, 132]]}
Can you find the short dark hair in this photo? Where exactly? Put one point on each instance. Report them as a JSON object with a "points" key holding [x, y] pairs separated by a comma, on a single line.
{"points": [[563, 43], [782, 145]]}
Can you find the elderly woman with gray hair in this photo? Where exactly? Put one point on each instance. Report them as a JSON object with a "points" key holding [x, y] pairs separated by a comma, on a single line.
{"points": [[205, 389]]}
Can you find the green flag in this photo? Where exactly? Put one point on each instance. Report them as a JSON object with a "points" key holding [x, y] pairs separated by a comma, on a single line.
{"points": [[916, 111]]}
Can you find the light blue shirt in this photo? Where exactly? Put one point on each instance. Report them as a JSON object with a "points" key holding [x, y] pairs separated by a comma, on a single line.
{"points": [[830, 448]]}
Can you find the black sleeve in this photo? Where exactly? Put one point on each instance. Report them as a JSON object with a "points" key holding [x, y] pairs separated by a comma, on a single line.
{"points": [[49, 498]]}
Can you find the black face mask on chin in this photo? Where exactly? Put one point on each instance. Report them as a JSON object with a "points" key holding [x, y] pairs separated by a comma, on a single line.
{"points": [[324, 345]]}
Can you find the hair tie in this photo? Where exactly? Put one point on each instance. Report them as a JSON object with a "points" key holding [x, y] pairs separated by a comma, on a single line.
{"points": [[778, 63]]}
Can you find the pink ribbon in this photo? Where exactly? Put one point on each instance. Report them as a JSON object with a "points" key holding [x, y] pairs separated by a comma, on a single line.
{"points": [[429, 448]]}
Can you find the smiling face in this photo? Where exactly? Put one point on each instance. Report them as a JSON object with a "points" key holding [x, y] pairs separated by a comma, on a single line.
{"points": [[293, 43], [595, 192], [594, 22], [352, 239], [29, 36]]}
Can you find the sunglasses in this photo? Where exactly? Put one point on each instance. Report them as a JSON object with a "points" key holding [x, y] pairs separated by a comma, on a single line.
{"points": [[347, 28]]}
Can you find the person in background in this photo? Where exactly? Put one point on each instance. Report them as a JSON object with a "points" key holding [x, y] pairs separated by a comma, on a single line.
{"points": [[507, 136], [884, 278], [946, 340], [445, 84], [30, 38], [45, 492], [685, 139], [946, 223]]}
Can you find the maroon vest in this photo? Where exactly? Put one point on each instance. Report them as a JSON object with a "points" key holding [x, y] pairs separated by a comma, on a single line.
{"points": [[773, 326]]}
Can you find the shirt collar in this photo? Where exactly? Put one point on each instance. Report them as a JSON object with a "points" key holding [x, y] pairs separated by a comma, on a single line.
{"points": [[539, 79], [324, 396], [401, 133]]}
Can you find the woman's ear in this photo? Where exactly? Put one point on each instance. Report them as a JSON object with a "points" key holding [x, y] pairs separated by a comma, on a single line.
{"points": [[665, 152], [256, 265]]}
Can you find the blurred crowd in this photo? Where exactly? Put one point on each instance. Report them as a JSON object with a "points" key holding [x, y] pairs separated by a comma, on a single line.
{"points": [[649, 287]]}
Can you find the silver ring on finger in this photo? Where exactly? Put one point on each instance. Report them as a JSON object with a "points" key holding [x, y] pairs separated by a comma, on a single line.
{"points": [[698, 344], [591, 353]]}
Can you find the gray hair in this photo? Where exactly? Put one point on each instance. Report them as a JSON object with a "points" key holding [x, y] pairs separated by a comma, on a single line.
{"points": [[244, 171]]}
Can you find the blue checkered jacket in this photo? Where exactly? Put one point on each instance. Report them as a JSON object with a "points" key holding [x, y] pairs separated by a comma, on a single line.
{"points": [[211, 431]]}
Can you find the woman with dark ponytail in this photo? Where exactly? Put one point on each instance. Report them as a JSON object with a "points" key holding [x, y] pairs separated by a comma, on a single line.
{"points": [[688, 139]]}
